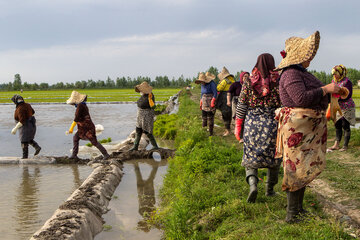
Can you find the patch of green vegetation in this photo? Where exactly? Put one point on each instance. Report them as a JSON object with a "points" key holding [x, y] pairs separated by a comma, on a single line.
{"points": [[204, 193], [159, 108], [105, 140], [107, 227], [94, 95], [165, 126]]}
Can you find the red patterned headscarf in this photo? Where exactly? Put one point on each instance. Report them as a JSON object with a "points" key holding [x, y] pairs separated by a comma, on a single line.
{"points": [[242, 76], [263, 77]]}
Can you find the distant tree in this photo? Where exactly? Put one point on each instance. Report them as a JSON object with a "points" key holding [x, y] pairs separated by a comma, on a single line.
{"points": [[17, 82], [110, 83]]}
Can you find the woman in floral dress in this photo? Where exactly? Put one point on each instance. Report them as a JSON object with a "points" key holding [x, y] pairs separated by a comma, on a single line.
{"points": [[258, 101], [302, 131]]}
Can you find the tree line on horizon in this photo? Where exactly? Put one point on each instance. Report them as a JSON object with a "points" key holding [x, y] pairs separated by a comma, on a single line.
{"points": [[123, 82], [158, 82]]}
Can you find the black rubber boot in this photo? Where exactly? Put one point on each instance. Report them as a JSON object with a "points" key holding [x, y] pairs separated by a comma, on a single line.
{"points": [[271, 181], [252, 180], [137, 139], [292, 209], [25, 149], [36, 146], [302, 211], [152, 141]]}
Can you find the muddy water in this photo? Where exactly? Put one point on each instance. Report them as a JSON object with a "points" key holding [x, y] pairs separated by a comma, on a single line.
{"points": [[30, 195], [133, 201], [53, 120]]}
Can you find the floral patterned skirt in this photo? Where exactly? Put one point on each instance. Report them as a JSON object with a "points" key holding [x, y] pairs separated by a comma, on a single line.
{"points": [[145, 119], [301, 141], [260, 130]]}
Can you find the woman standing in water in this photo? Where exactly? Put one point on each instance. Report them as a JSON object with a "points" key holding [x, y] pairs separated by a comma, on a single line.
{"points": [[86, 128], [26, 123], [145, 115]]}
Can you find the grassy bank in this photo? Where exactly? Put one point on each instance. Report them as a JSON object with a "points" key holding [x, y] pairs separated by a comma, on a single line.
{"points": [[204, 192], [94, 95]]}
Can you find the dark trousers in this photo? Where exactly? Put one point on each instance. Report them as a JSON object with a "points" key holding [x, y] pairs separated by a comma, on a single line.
{"points": [[92, 139], [226, 116], [341, 124], [208, 118]]}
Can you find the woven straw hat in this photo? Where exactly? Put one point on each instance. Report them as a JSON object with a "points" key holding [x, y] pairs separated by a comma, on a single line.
{"points": [[144, 87], [206, 78], [224, 73], [299, 50], [76, 98]]}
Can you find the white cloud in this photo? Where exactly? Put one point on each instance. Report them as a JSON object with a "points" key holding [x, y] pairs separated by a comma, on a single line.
{"points": [[168, 53]]}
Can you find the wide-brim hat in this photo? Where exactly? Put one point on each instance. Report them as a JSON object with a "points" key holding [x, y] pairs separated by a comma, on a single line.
{"points": [[224, 73], [76, 98], [144, 87], [206, 78], [299, 50]]}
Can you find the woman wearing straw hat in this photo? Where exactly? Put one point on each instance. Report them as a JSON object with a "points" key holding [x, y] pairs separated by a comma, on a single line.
{"points": [[347, 106], [258, 100], [232, 99], [145, 115], [207, 101], [226, 79], [302, 132], [26, 123], [86, 128]]}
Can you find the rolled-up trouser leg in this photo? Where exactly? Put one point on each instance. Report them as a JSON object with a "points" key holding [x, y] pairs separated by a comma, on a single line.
{"points": [[252, 180]]}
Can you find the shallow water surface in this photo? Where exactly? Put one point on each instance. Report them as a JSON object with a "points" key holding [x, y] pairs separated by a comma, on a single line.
{"points": [[31, 194], [54, 119], [134, 199]]}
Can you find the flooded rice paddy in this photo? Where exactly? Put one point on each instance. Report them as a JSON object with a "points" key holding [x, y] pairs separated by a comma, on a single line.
{"points": [[32, 193]]}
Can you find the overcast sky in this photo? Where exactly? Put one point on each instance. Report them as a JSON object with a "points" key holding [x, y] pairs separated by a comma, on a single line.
{"points": [[71, 40]]}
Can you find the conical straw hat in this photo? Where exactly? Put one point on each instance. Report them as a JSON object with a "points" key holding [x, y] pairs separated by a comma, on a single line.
{"points": [[224, 73], [76, 98], [299, 50], [144, 87]]}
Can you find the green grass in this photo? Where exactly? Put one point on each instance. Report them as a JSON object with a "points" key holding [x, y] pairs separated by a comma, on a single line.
{"points": [[105, 140], [94, 95], [204, 193]]}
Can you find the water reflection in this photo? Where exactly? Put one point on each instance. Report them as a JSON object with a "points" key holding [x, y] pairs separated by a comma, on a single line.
{"points": [[31, 194], [135, 201], [146, 194], [27, 200]]}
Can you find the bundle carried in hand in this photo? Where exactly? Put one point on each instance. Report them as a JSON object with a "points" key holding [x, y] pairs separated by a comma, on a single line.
{"points": [[334, 106]]}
